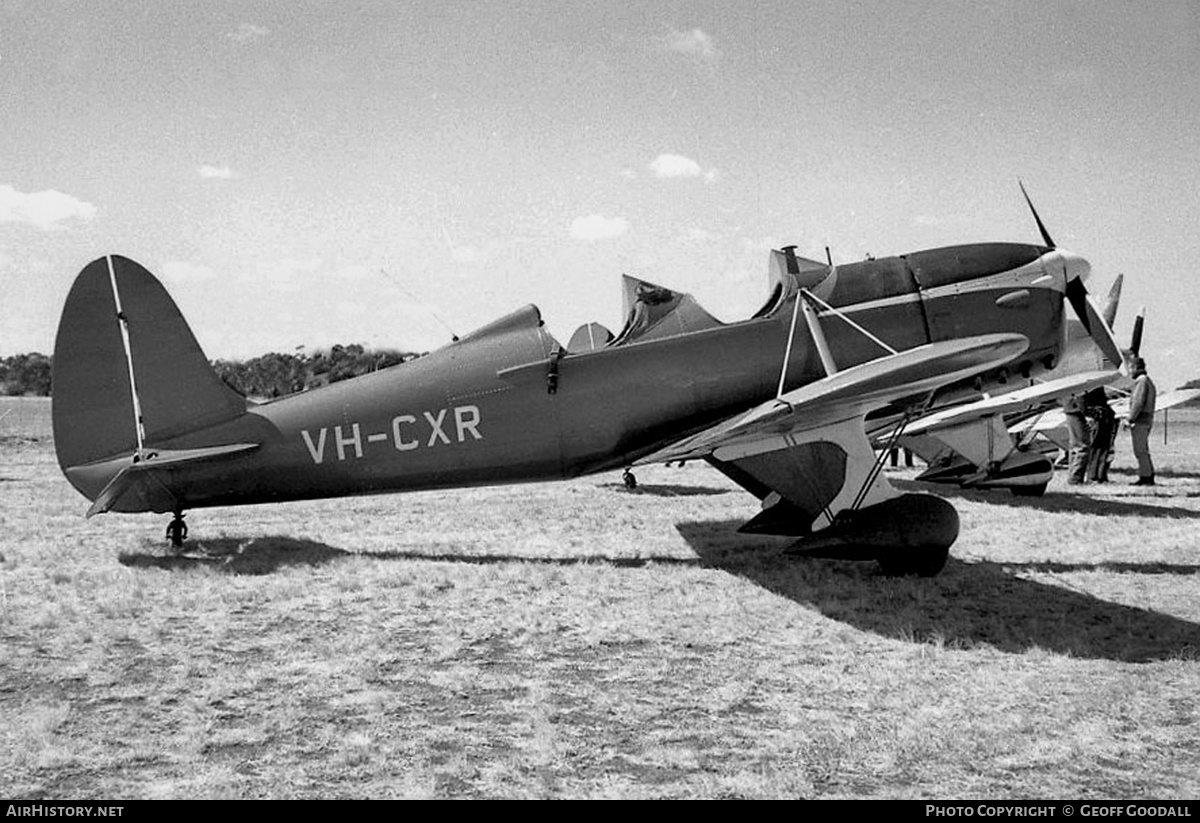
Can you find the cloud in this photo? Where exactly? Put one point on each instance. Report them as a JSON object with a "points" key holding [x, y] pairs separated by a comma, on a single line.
{"points": [[598, 227], [248, 33], [181, 271], [43, 209], [676, 165], [695, 42], [216, 172]]}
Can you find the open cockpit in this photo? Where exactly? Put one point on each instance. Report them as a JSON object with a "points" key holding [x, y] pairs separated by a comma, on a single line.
{"points": [[654, 312]]}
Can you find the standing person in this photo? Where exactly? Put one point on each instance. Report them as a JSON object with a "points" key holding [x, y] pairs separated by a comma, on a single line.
{"points": [[1141, 419], [1077, 428], [1103, 432]]}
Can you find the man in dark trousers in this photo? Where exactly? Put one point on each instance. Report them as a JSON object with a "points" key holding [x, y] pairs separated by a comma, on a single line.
{"points": [[1141, 419], [1077, 428], [1103, 432]]}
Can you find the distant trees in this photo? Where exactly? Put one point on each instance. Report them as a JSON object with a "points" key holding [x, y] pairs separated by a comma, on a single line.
{"points": [[25, 374], [269, 375], [276, 375]]}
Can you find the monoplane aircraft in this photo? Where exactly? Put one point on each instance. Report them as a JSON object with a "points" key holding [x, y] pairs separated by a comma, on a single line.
{"points": [[1049, 426], [777, 402], [984, 444]]}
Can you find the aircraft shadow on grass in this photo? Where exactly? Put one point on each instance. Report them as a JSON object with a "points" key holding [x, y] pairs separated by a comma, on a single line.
{"points": [[1177, 474], [668, 490], [576, 560], [1070, 502], [239, 555], [264, 555], [967, 605], [1127, 474]]}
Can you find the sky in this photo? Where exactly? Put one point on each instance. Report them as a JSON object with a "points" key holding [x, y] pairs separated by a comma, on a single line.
{"points": [[307, 173]]}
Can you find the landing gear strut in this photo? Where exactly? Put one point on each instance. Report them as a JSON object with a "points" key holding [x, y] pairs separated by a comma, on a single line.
{"points": [[629, 480], [177, 531]]}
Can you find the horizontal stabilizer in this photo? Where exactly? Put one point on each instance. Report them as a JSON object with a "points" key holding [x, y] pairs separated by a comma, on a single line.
{"points": [[139, 477]]}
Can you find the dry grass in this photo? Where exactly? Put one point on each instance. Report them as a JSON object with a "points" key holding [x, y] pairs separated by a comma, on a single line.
{"points": [[577, 640]]}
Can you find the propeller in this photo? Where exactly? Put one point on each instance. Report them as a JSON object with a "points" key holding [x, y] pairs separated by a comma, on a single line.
{"points": [[1113, 302], [1046, 238], [1076, 269], [1135, 342]]}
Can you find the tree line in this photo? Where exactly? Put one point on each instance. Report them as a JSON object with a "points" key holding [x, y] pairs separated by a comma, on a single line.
{"points": [[269, 375], [25, 374], [275, 375]]}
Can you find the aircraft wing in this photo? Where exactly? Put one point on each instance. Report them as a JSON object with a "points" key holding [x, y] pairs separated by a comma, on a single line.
{"points": [[847, 395], [1053, 420], [1013, 402], [1166, 400], [1050, 420], [806, 455], [972, 444]]}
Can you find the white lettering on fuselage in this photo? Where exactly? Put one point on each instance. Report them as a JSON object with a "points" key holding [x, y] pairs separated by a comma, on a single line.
{"points": [[408, 432], [342, 441], [435, 429], [464, 423], [316, 450]]}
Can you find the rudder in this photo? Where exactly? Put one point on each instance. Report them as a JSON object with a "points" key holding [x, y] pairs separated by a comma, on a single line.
{"points": [[92, 406]]}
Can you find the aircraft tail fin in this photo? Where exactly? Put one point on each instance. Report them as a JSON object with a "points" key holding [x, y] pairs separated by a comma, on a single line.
{"points": [[128, 372]]}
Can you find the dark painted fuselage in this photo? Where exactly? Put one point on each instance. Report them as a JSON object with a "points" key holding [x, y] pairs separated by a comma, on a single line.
{"points": [[505, 404]]}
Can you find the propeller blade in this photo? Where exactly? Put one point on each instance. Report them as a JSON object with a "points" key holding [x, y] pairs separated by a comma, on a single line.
{"points": [[1114, 300], [1135, 342], [1077, 293], [1093, 323], [1049, 241]]}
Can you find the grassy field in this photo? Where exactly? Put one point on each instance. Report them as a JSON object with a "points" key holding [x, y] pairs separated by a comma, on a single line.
{"points": [[578, 640]]}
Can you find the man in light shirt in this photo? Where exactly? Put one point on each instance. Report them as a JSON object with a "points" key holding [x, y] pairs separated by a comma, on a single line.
{"points": [[1141, 419]]}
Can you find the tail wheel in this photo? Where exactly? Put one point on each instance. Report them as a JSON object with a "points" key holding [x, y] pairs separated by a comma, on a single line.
{"points": [[177, 531]]}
